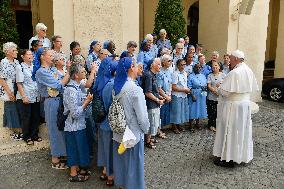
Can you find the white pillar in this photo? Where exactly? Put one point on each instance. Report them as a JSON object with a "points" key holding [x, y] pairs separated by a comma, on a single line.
{"points": [[248, 33]]}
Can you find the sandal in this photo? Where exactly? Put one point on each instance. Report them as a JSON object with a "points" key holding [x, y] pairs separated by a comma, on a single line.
{"points": [[181, 128], [78, 178], [150, 145], [154, 140], [162, 135], [29, 141], [109, 182], [176, 131], [103, 176], [84, 172], [38, 139], [59, 165]]}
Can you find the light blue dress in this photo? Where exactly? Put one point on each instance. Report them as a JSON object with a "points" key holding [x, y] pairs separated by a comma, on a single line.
{"points": [[198, 108], [206, 70], [164, 80], [49, 77], [129, 167], [164, 44], [105, 142], [179, 104], [145, 58]]}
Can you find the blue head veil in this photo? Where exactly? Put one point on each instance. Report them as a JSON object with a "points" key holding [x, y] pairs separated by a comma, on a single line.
{"points": [[91, 46], [104, 75], [121, 73], [143, 44], [36, 62], [124, 54]]}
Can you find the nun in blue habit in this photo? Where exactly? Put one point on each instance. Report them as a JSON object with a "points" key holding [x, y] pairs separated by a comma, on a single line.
{"points": [[145, 55], [105, 142], [49, 83], [103, 76], [197, 82], [93, 55], [129, 167]]}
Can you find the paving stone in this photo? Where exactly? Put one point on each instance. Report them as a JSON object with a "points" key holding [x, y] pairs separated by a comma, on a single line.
{"points": [[182, 161]]}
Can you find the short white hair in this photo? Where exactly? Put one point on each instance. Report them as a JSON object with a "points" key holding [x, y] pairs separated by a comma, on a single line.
{"points": [[163, 31], [215, 53], [156, 59], [149, 37], [40, 26], [181, 40], [166, 58], [9, 46], [179, 45], [165, 51]]}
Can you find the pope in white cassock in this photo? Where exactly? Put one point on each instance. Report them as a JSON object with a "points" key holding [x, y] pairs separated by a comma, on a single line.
{"points": [[233, 142]]}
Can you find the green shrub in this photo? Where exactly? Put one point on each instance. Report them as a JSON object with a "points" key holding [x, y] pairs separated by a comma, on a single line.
{"points": [[8, 27], [169, 17]]}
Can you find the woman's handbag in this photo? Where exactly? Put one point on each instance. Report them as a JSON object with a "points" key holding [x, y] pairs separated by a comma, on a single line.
{"points": [[98, 110]]}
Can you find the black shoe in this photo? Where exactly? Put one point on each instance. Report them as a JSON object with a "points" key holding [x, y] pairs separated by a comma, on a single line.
{"points": [[223, 163]]}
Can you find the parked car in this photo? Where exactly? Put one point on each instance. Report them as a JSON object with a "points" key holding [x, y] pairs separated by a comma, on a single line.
{"points": [[274, 89]]}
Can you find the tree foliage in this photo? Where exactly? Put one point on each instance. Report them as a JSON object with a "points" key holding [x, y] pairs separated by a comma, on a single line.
{"points": [[8, 27], [169, 16]]}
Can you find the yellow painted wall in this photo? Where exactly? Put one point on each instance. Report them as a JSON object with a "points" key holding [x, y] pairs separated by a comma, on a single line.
{"points": [[42, 11], [213, 25], [272, 30], [149, 10], [279, 64], [64, 22]]}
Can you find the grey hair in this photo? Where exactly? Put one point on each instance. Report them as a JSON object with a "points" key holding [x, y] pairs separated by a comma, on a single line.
{"points": [[165, 51], [75, 69], [40, 26], [8, 46], [163, 31], [78, 59], [149, 37], [58, 56], [179, 45], [215, 53], [155, 60], [165, 58]]}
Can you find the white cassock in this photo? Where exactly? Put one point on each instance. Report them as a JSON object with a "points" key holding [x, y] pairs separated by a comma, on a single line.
{"points": [[234, 125]]}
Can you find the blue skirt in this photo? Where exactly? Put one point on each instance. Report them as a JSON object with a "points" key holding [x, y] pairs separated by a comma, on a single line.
{"points": [[165, 114], [77, 148], [105, 151], [11, 115], [179, 110], [128, 168], [56, 137], [198, 109]]}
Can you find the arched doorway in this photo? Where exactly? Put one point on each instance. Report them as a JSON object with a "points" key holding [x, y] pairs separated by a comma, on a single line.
{"points": [[192, 23]]}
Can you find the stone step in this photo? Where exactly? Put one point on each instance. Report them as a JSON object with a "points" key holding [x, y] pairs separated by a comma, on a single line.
{"points": [[9, 146]]}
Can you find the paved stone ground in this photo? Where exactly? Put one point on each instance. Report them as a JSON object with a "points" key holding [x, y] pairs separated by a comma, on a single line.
{"points": [[180, 162]]}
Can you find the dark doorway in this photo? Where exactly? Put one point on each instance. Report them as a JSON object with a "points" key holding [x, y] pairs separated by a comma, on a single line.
{"points": [[192, 25], [23, 14], [24, 28]]}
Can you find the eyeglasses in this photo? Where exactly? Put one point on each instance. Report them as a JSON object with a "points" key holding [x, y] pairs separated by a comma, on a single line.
{"points": [[43, 30]]}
